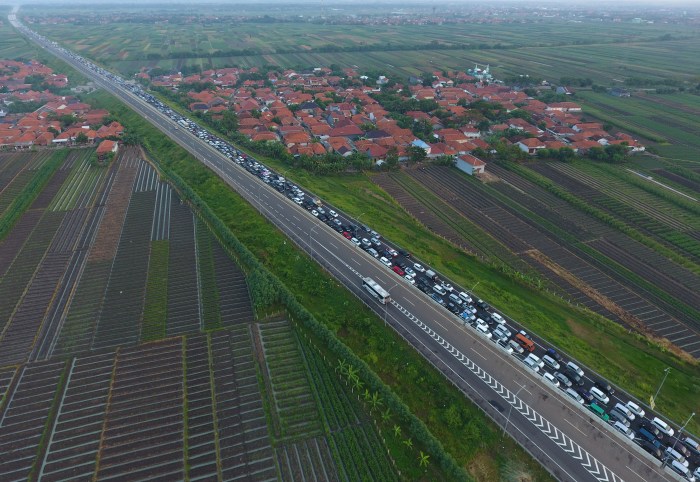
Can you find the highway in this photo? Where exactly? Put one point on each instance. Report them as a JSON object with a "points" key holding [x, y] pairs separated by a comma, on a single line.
{"points": [[563, 436]]}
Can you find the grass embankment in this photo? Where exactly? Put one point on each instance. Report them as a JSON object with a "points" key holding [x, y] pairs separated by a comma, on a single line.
{"points": [[155, 309], [207, 278], [457, 423]]}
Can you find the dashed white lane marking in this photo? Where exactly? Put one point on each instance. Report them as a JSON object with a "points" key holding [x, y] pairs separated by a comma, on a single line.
{"points": [[574, 426]]}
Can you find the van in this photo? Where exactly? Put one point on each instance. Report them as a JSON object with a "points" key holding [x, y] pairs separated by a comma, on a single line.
{"points": [[373, 252], [619, 416], [599, 412], [663, 426], [536, 359], [455, 299], [497, 318], [623, 429], [431, 274], [574, 368], [622, 408], [681, 470], [439, 290], [646, 434], [599, 395], [525, 342], [675, 455], [465, 297], [692, 445], [550, 362]]}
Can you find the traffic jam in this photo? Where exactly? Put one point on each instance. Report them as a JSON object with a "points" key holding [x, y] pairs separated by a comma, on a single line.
{"points": [[679, 452]]}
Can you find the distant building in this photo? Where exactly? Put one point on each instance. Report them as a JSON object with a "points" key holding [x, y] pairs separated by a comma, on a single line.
{"points": [[620, 92], [470, 164], [106, 147]]}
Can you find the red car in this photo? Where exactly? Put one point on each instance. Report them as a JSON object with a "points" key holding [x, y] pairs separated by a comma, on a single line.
{"points": [[398, 270], [347, 235]]}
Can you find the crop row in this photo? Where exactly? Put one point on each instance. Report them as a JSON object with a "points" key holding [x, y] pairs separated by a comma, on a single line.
{"points": [[211, 313], [81, 184]]}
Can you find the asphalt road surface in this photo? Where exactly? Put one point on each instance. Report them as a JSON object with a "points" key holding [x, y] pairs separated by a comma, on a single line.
{"points": [[565, 437]]}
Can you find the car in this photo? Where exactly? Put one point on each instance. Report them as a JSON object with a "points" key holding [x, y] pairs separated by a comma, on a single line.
{"points": [[497, 318], [573, 394], [453, 308], [623, 408], [356, 242], [604, 386], [385, 262], [483, 330], [398, 270], [419, 268], [552, 353], [586, 395], [619, 416], [314, 212], [333, 213], [482, 304], [517, 349], [651, 448], [375, 242], [599, 395], [448, 287], [550, 362], [365, 243], [404, 253], [575, 378], [465, 297], [410, 279], [408, 270], [563, 379], [655, 432], [674, 454], [692, 445], [635, 409], [439, 290], [502, 332], [550, 378], [393, 252], [623, 429], [347, 235], [696, 474], [437, 299]]}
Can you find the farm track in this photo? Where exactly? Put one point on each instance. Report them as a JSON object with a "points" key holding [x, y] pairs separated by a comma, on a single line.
{"points": [[658, 321], [692, 185]]}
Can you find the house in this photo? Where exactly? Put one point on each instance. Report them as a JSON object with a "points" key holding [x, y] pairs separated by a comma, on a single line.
{"points": [[105, 148], [470, 164], [422, 145], [531, 145]]}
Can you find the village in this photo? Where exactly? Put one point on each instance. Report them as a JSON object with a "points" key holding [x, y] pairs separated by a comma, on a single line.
{"points": [[453, 114], [33, 116]]}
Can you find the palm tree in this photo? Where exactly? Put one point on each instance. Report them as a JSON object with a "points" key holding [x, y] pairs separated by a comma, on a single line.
{"points": [[357, 383], [351, 374], [367, 395], [423, 458], [397, 431], [408, 443], [374, 402], [386, 415], [342, 366]]}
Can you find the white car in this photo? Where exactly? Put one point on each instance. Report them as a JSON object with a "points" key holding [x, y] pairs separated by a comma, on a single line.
{"points": [[497, 318], [356, 242], [481, 324], [410, 279], [409, 271], [550, 378], [635, 409], [448, 287], [419, 268], [385, 262], [314, 212], [483, 330], [333, 213]]}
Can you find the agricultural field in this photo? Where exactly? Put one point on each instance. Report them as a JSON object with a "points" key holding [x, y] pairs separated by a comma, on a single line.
{"points": [[75, 265], [578, 255], [128, 321], [187, 407]]}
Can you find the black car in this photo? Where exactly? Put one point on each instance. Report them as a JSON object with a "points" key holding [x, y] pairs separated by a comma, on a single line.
{"points": [[453, 308], [483, 305], [585, 394], [404, 253], [650, 428], [551, 352], [651, 448], [604, 386], [575, 378]]}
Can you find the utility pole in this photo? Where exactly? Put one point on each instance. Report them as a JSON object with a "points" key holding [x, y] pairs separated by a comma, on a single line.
{"points": [[652, 400]]}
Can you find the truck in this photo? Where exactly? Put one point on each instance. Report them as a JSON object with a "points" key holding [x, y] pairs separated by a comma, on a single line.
{"points": [[431, 274]]}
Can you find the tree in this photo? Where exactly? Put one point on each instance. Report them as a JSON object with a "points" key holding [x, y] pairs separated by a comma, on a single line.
{"points": [[397, 431], [416, 154], [81, 138], [375, 402], [408, 443], [386, 415], [392, 159]]}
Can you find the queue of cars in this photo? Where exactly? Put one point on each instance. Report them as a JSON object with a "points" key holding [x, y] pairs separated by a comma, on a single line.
{"points": [[651, 433]]}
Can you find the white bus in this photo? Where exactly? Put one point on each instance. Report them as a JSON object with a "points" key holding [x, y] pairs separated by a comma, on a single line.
{"points": [[375, 290]]}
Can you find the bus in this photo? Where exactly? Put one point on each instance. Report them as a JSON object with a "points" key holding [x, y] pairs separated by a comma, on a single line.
{"points": [[375, 290]]}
